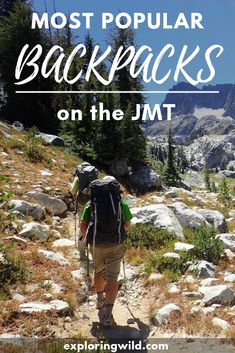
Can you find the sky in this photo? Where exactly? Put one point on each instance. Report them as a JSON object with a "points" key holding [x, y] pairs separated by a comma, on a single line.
{"points": [[218, 21]]}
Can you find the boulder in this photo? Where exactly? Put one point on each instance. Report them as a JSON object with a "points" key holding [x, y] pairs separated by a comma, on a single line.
{"points": [[174, 290], [120, 167], [158, 215], [183, 247], [228, 240], [37, 307], [215, 218], [63, 242], [187, 218], [78, 274], [227, 174], [224, 325], [52, 139], [36, 211], [172, 255], [52, 204], [18, 126], [58, 257], [208, 282], [35, 230], [146, 177], [229, 277], [18, 297], [203, 269], [163, 314], [220, 294]]}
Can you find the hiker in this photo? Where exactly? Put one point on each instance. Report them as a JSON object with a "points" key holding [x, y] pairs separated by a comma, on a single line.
{"points": [[103, 225], [83, 176]]}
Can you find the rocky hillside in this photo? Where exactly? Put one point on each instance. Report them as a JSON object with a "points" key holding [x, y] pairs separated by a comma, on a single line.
{"points": [[186, 103], [180, 271]]}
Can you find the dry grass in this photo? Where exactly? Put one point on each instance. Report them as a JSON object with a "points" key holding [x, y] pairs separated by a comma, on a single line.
{"points": [[137, 256]]}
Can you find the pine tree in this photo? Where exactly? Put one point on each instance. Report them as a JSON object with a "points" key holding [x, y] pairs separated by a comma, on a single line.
{"points": [[213, 187], [15, 32], [224, 196], [7, 5], [171, 175], [207, 177]]}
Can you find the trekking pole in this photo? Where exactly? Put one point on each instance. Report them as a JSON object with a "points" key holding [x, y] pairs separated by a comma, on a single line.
{"points": [[88, 275], [75, 221]]}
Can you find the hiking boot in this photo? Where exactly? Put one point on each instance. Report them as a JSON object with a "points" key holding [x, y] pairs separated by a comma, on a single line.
{"points": [[99, 304], [108, 321]]}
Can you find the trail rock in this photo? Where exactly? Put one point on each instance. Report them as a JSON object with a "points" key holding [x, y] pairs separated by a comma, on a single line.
{"points": [[172, 255], [183, 247], [220, 294], [174, 290], [18, 297], [229, 277], [215, 218], [52, 139], [224, 325], [46, 173], [35, 307], [27, 209], [187, 218], [208, 282], [78, 274], [155, 277], [228, 240], [158, 215], [146, 177], [52, 204], [163, 314], [35, 230], [203, 269], [55, 288], [63, 242], [58, 257]]}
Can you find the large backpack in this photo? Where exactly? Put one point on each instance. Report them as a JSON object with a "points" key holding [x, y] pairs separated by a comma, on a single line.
{"points": [[106, 226]]}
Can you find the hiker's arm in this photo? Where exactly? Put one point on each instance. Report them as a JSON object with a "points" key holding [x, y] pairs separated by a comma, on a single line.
{"points": [[83, 227], [127, 225]]}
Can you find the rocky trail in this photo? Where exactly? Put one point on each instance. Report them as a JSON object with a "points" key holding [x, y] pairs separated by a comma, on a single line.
{"points": [[37, 226]]}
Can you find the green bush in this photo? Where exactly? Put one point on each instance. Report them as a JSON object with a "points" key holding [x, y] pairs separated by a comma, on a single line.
{"points": [[12, 267], [34, 152], [172, 267], [148, 236], [207, 246]]}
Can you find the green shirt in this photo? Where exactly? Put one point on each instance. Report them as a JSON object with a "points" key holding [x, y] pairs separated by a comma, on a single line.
{"points": [[127, 216]]}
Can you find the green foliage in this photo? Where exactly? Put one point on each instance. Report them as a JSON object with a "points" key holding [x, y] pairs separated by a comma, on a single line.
{"points": [[15, 32], [208, 247], [170, 173], [32, 133], [148, 236], [224, 196], [12, 269], [34, 152], [5, 195], [172, 267]]}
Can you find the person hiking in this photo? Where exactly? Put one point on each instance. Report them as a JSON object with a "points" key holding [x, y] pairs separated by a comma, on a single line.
{"points": [[103, 225], [84, 174]]}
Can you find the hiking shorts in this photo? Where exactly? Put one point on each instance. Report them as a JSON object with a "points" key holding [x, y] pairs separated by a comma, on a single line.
{"points": [[107, 259]]}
